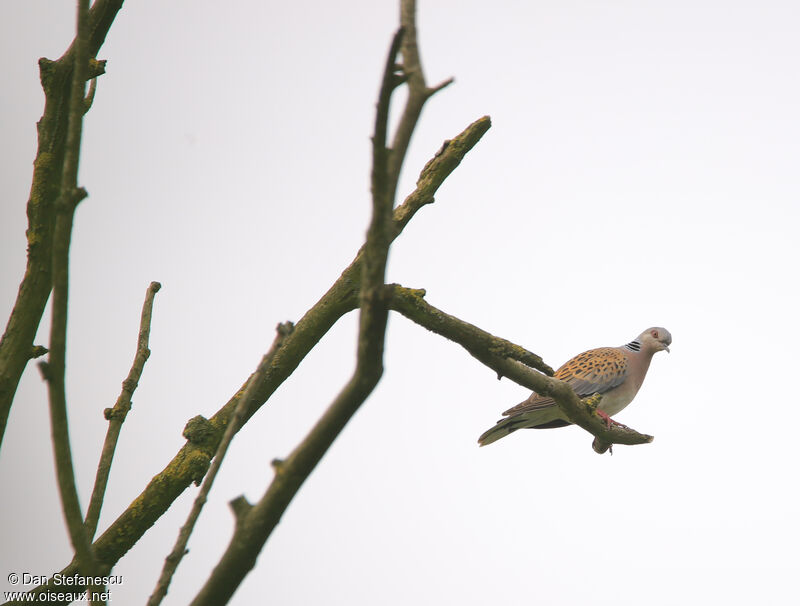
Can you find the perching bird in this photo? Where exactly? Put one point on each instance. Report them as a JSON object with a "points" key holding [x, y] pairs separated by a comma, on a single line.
{"points": [[616, 373]]}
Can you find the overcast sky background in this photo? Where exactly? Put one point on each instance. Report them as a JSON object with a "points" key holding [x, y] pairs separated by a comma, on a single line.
{"points": [[641, 170]]}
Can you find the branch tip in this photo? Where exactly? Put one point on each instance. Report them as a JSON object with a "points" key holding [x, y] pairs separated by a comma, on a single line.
{"points": [[37, 351], [70, 199], [240, 507], [97, 67], [429, 92], [284, 329]]}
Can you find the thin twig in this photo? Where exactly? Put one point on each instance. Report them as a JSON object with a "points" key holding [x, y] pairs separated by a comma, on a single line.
{"points": [[116, 415], [179, 550], [437, 169], [418, 92]]}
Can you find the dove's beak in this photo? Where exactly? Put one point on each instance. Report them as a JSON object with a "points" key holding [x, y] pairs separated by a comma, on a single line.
{"points": [[666, 348]]}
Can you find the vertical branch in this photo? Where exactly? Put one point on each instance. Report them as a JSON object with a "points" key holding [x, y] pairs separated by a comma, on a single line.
{"points": [[55, 369], [116, 415], [254, 523], [16, 345], [418, 91]]}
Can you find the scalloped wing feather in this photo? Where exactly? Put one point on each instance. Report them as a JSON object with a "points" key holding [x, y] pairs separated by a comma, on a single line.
{"points": [[594, 371]]}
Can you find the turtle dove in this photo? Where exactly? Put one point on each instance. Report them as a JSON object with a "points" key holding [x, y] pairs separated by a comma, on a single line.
{"points": [[616, 373]]}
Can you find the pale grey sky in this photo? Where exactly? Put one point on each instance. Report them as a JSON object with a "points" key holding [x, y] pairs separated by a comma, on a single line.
{"points": [[641, 170]]}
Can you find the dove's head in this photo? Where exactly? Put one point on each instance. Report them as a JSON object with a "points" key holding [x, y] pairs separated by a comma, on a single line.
{"points": [[655, 339]]}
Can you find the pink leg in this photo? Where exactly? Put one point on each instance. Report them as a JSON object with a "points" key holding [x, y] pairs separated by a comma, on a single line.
{"points": [[609, 421]]}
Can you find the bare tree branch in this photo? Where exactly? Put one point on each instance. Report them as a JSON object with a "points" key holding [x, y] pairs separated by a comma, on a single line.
{"points": [[255, 524], [179, 550], [418, 92], [507, 360], [54, 369], [438, 169], [56, 76], [478, 342], [116, 415], [192, 460]]}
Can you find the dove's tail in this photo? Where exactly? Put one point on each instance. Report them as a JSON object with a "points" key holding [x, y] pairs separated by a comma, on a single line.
{"points": [[500, 430], [544, 419]]}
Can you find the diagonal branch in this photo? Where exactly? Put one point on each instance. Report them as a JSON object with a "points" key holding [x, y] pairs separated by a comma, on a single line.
{"points": [[478, 342], [116, 415], [504, 358], [438, 169]]}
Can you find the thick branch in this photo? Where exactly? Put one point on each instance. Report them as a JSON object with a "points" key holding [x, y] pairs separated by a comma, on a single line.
{"points": [[116, 415], [504, 358]]}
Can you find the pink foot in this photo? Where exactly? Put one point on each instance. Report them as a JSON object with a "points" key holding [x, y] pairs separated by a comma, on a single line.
{"points": [[609, 421]]}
